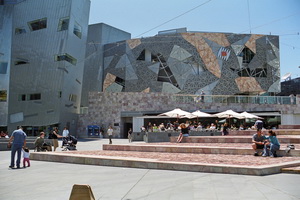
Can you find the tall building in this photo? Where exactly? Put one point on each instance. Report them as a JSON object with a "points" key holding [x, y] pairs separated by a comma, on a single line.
{"points": [[98, 36], [42, 61]]}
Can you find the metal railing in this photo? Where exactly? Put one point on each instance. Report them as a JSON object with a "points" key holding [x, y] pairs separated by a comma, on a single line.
{"points": [[286, 100]]}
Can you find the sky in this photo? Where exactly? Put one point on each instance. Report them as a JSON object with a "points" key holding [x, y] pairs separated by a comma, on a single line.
{"points": [[144, 18]]}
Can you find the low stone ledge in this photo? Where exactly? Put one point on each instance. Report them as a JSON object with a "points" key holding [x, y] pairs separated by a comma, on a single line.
{"points": [[193, 149], [162, 165]]}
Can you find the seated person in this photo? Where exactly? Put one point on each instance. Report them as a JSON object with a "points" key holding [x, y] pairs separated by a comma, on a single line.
{"points": [[155, 128], [184, 132], [3, 135], [212, 126], [271, 145], [40, 144], [258, 141]]}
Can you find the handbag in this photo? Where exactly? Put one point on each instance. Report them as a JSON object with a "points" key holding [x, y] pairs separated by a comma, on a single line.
{"points": [[8, 145]]}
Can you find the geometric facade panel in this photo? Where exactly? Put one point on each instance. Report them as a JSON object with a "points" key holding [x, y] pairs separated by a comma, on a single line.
{"points": [[187, 63]]}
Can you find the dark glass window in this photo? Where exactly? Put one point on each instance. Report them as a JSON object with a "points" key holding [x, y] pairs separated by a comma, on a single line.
{"points": [[22, 97], [77, 30], [20, 31], [247, 55], [35, 96], [63, 24], [21, 62], [3, 95], [38, 24], [3, 67], [67, 58]]}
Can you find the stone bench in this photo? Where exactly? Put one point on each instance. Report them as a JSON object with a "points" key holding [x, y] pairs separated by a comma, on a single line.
{"points": [[165, 136], [231, 139], [236, 149]]}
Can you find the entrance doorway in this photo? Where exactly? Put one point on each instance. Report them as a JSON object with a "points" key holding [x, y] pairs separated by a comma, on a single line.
{"points": [[127, 126]]}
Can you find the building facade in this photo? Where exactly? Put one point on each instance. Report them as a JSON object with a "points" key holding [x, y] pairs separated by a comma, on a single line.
{"points": [[44, 72], [98, 36], [191, 62], [124, 110]]}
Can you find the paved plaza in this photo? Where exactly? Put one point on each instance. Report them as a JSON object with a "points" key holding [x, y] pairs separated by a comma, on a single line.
{"points": [[50, 180]]}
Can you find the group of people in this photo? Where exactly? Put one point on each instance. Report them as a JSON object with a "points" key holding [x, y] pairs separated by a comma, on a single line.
{"points": [[269, 143], [17, 143]]}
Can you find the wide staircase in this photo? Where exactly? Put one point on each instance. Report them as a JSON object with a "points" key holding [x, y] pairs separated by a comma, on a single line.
{"points": [[233, 151], [230, 154]]}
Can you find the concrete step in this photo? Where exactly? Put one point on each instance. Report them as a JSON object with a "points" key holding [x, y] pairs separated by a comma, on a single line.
{"points": [[291, 170], [277, 131], [209, 163], [232, 139], [235, 149]]}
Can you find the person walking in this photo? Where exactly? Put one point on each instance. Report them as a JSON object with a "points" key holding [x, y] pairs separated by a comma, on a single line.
{"points": [[110, 133], [18, 139], [130, 135], [26, 155]]}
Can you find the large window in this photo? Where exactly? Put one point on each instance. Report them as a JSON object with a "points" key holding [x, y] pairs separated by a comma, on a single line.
{"points": [[63, 24], [38, 24], [29, 97], [36, 96], [77, 30], [67, 58], [3, 95]]}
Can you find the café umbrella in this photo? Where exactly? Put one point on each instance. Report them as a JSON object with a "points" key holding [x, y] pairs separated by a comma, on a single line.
{"points": [[197, 114], [229, 114], [247, 115], [178, 113]]}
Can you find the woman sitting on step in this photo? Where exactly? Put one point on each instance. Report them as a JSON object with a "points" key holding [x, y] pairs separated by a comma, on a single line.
{"points": [[184, 132]]}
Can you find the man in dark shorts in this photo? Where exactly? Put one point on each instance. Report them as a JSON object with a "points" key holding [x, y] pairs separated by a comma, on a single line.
{"points": [[257, 142]]}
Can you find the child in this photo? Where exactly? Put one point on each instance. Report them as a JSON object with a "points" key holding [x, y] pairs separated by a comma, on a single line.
{"points": [[272, 143], [26, 155]]}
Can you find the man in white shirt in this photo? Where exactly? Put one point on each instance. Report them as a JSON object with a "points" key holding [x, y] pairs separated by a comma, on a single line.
{"points": [[65, 134]]}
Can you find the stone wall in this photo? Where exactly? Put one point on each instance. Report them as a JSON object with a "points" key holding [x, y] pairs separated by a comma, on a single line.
{"points": [[106, 108]]}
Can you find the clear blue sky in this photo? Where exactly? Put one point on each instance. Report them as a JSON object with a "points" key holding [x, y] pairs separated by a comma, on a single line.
{"points": [[276, 17]]}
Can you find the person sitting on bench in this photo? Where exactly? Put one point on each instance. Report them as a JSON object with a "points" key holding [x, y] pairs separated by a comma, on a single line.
{"points": [[271, 145], [40, 144], [184, 132]]}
